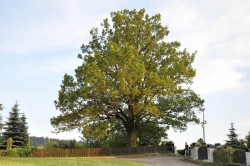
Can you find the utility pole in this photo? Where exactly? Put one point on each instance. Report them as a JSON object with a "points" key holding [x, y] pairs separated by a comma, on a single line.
{"points": [[203, 126]]}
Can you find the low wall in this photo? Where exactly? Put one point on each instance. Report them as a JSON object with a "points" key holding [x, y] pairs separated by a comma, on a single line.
{"points": [[239, 156], [210, 154], [194, 153]]}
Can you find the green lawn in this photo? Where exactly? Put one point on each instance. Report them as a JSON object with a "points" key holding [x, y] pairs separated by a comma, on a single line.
{"points": [[70, 161]]}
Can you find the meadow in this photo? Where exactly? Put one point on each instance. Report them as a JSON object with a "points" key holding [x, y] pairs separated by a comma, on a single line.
{"points": [[69, 161]]}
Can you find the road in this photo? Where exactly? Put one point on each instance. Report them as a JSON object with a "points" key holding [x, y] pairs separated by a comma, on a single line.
{"points": [[161, 161]]}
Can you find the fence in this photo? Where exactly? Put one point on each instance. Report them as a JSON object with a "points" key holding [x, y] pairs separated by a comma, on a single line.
{"points": [[220, 156], [86, 152]]}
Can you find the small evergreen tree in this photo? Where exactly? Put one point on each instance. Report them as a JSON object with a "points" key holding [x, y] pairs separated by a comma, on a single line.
{"points": [[28, 144], [24, 131], [13, 128], [233, 140]]}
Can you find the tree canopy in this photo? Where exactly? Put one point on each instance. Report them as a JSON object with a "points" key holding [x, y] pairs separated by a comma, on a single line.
{"points": [[16, 128], [129, 75]]}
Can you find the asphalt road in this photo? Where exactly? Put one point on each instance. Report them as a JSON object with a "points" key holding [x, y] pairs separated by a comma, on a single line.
{"points": [[161, 161]]}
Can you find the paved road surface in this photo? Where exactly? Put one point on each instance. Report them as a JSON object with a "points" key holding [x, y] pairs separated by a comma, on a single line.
{"points": [[161, 161]]}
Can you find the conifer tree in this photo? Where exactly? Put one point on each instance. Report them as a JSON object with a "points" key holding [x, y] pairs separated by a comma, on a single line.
{"points": [[13, 128], [233, 140], [24, 130]]}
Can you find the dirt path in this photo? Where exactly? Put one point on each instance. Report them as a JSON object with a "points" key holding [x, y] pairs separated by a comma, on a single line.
{"points": [[161, 161]]}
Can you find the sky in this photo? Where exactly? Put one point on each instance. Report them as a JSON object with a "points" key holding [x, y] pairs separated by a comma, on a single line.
{"points": [[40, 40]]}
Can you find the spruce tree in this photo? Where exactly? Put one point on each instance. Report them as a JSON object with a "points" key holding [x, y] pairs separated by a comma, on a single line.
{"points": [[233, 140], [24, 130], [12, 128]]}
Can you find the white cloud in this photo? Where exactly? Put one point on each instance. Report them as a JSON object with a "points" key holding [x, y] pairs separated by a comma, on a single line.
{"points": [[217, 75], [50, 26], [245, 124], [219, 31]]}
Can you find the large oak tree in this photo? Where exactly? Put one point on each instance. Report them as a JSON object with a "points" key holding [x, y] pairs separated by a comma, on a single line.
{"points": [[129, 75]]}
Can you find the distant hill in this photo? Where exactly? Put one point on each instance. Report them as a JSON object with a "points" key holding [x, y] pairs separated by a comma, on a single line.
{"points": [[40, 141], [54, 143]]}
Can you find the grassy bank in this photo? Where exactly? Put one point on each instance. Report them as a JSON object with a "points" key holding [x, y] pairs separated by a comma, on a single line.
{"points": [[74, 161]]}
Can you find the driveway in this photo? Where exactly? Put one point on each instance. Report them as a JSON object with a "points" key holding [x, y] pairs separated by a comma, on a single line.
{"points": [[161, 161]]}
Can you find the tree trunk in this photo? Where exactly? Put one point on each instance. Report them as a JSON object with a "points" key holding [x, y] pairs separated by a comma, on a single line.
{"points": [[132, 138]]}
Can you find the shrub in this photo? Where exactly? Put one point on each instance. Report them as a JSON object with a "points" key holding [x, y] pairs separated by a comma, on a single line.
{"points": [[12, 152], [221, 156], [3, 153], [239, 156], [23, 152], [202, 153], [181, 152], [9, 144], [229, 150], [17, 152]]}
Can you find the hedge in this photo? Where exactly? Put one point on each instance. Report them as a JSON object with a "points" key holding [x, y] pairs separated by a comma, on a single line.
{"points": [[239, 156], [202, 153], [221, 156]]}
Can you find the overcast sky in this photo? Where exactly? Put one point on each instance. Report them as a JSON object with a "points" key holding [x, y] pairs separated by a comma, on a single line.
{"points": [[40, 40]]}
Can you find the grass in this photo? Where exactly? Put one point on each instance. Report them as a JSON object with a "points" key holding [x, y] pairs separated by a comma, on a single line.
{"points": [[70, 161]]}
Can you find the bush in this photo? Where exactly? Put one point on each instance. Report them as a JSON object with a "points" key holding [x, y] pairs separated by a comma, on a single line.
{"points": [[239, 156], [229, 150], [202, 153], [3, 153], [23, 152], [221, 156], [17, 152], [12, 152], [181, 152]]}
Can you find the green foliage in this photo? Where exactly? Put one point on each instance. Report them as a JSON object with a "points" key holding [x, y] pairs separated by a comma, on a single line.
{"points": [[9, 144], [28, 144], [229, 150], [129, 75], [248, 140], [201, 142], [16, 128], [233, 140], [18, 152], [221, 156], [3, 153], [181, 152], [229, 155], [202, 153], [63, 144], [150, 133], [23, 129], [239, 156]]}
